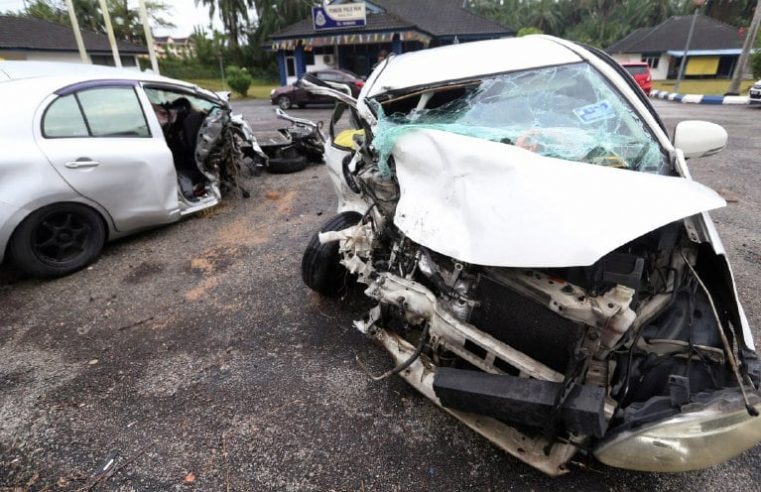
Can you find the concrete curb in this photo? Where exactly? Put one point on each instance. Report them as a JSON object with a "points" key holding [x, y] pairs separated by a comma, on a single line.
{"points": [[699, 98]]}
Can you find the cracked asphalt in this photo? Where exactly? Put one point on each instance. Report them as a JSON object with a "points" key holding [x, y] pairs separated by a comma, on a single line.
{"points": [[194, 357]]}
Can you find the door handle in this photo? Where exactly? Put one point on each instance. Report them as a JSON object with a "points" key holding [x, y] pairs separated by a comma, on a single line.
{"points": [[82, 162]]}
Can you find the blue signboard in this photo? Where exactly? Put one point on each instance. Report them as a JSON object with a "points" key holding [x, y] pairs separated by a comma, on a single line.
{"points": [[339, 16]]}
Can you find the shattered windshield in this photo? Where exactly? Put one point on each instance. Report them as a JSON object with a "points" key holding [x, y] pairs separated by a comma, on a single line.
{"points": [[568, 112]]}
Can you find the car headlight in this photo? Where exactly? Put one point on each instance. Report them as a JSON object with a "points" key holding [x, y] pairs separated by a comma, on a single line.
{"points": [[272, 92], [688, 441]]}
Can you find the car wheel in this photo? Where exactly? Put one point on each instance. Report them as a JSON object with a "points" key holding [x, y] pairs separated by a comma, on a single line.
{"points": [[287, 161], [57, 240], [284, 102], [320, 267]]}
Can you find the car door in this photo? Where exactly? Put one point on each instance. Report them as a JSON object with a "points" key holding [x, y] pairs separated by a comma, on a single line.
{"points": [[107, 147]]}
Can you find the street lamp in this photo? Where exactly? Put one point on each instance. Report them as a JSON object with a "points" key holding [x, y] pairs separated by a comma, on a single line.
{"points": [[698, 4]]}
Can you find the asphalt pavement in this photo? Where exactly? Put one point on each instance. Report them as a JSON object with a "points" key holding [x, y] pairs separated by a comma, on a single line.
{"points": [[195, 358]]}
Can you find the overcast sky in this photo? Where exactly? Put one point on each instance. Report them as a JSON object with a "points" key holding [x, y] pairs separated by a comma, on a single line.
{"points": [[184, 14]]}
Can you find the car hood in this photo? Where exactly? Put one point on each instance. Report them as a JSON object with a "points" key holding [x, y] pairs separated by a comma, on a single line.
{"points": [[488, 203]]}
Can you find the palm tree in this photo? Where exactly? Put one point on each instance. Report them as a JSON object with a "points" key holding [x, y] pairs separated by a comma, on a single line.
{"points": [[235, 19]]}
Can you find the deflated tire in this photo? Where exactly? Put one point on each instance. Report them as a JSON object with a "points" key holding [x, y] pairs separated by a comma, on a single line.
{"points": [[320, 267]]}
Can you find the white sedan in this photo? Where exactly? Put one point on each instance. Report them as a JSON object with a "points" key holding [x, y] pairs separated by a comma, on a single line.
{"points": [[95, 153]]}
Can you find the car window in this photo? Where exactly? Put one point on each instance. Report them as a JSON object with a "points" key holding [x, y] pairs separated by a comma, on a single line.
{"points": [[162, 96], [113, 112], [330, 76], [344, 127], [636, 69], [63, 119], [569, 112]]}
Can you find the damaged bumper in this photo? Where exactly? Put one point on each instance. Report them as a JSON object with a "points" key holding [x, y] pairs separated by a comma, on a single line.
{"points": [[421, 374]]}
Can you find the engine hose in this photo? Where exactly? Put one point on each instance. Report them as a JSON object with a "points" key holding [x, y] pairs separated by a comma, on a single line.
{"points": [[727, 347], [404, 365]]}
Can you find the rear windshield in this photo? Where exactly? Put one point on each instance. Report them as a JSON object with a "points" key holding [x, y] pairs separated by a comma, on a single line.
{"points": [[636, 69]]}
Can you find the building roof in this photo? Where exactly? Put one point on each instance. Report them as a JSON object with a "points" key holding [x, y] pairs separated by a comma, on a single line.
{"points": [[438, 18], [23, 33], [671, 35]]}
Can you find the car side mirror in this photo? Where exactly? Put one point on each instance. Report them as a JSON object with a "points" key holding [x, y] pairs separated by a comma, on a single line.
{"points": [[699, 138]]}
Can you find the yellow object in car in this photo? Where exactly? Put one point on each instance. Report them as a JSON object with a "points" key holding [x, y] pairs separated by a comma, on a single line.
{"points": [[346, 138]]}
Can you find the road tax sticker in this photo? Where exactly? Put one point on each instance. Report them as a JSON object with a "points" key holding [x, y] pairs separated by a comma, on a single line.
{"points": [[595, 112]]}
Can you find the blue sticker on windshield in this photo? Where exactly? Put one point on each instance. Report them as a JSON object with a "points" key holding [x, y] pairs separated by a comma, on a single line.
{"points": [[595, 112]]}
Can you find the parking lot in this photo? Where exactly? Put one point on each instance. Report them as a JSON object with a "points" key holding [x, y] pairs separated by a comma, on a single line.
{"points": [[195, 357]]}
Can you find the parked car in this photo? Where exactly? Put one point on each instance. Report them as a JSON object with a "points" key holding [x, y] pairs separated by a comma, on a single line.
{"points": [[754, 93], [94, 153], [641, 73], [541, 262], [288, 96]]}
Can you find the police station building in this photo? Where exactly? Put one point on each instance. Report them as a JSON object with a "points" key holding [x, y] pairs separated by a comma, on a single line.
{"points": [[349, 35]]}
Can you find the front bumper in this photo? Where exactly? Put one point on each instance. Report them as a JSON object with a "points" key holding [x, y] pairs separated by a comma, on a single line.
{"points": [[691, 440]]}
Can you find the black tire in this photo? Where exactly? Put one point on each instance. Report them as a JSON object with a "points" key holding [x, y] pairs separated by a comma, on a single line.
{"points": [[284, 102], [57, 240], [320, 267], [287, 161]]}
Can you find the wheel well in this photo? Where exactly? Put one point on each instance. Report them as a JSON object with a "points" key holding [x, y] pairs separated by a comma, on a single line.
{"points": [[26, 217]]}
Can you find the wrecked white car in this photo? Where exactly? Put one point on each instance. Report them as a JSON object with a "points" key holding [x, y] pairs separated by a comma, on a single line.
{"points": [[544, 267], [95, 153]]}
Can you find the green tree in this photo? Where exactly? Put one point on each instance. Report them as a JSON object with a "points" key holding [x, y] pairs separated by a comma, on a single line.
{"points": [[235, 19], [238, 79], [271, 16], [527, 31]]}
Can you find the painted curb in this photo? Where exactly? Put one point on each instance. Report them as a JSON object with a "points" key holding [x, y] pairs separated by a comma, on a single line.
{"points": [[698, 98]]}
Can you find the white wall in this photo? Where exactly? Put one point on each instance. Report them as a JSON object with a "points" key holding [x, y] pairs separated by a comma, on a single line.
{"points": [[627, 57], [660, 73]]}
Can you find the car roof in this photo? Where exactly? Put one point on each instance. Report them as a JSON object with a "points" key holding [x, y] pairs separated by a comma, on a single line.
{"points": [[35, 81], [466, 60], [76, 72]]}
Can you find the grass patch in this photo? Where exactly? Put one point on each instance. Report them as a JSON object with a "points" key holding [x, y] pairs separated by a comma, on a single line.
{"points": [[259, 89], [709, 87]]}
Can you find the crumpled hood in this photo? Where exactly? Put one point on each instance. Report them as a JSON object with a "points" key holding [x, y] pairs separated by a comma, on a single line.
{"points": [[494, 204]]}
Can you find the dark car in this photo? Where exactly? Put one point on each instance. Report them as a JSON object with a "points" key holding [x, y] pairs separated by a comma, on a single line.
{"points": [[641, 73], [754, 93], [290, 95]]}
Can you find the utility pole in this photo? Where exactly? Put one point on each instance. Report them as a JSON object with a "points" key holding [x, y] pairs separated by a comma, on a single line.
{"points": [[742, 62], [77, 32], [110, 32], [697, 4], [148, 37]]}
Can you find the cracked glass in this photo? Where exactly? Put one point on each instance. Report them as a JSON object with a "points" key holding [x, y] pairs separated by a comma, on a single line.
{"points": [[569, 112]]}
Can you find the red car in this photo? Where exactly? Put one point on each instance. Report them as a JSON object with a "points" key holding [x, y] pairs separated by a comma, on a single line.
{"points": [[641, 73], [287, 96]]}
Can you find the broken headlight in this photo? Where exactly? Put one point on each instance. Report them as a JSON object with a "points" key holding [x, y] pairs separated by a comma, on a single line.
{"points": [[688, 441]]}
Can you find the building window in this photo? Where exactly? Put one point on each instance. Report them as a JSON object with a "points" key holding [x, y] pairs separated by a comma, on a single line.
{"points": [[652, 61], [290, 66]]}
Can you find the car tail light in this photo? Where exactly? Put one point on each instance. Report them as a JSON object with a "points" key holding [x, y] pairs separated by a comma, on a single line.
{"points": [[359, 83]]}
